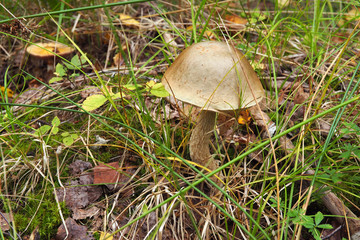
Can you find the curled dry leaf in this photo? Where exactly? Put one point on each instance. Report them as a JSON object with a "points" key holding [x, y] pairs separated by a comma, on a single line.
{"points": [[74, 231]]}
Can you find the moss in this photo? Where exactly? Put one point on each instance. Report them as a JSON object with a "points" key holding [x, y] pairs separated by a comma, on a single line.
{"points": [[45, 214]]}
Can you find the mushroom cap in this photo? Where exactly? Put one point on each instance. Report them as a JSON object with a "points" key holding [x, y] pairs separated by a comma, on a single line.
{"points": [[214, 76], [52, 47]]}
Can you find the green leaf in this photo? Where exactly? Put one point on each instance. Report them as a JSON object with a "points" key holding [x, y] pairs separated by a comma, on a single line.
{"points": [[159, 90], [42, 130], [93, 102], [318, 218], [68, 141], [65, 134], [129, 86], [348, 150], [55, 79], [357, 153], [55, 130], [76, 62], [350, 128], [60, 70], [74, 136], [74, 75], [116, 95], [55, 122], [325, 226], [309, 225]]}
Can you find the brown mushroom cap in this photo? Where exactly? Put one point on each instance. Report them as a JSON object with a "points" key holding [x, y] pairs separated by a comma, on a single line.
{"points": [[52, 48], [215, 76]]}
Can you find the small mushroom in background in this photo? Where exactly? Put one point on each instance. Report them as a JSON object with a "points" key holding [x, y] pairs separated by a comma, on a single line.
{"points": [[217, 78], [46, 53]]}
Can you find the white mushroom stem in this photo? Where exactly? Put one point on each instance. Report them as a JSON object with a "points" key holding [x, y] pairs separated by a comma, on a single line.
{"points": [[200, 140], [331, 201]]}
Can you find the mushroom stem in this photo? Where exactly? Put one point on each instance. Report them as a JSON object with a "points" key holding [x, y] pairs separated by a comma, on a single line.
{"points": [[200, 140]]}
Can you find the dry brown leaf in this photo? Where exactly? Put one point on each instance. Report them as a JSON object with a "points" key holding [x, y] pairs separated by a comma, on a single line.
{"points": [[118, 58], [80, 214], [79, 192], [75, 231], [4, 226], [352, 15], [283, 3], [112, 175], [300, 96]]}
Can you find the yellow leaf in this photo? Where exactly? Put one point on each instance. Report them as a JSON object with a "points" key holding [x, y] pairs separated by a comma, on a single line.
{"points": [[128, 20], [353, 14], [244, 117], [104, 235], [93, 102], [9, 92], [150, 83]]}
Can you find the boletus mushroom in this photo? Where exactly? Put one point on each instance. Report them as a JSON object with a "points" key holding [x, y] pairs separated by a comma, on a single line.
{"points": [[215, 77], [47, 52]]}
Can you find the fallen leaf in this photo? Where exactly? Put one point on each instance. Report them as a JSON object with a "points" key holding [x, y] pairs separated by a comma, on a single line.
{"points": [[236, 19], [9, 92], [300, 96], [283, 3], [112, 175], [104, 235], [78, 167], [128, 20], [94, 102], [244, 117], [105, 174], [352, 15], [74, 231], [5, 219], [79, 192], [79, 214], [118, 58], [169, 39]]}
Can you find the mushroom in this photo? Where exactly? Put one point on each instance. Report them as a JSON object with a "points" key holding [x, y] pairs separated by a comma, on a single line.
{"points": [[217, 78], [47, 52]]}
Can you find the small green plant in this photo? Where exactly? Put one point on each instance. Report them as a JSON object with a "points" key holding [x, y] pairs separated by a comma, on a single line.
{"points": [[64, 70], [97, 100], [312, 223], [67, 138]]}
